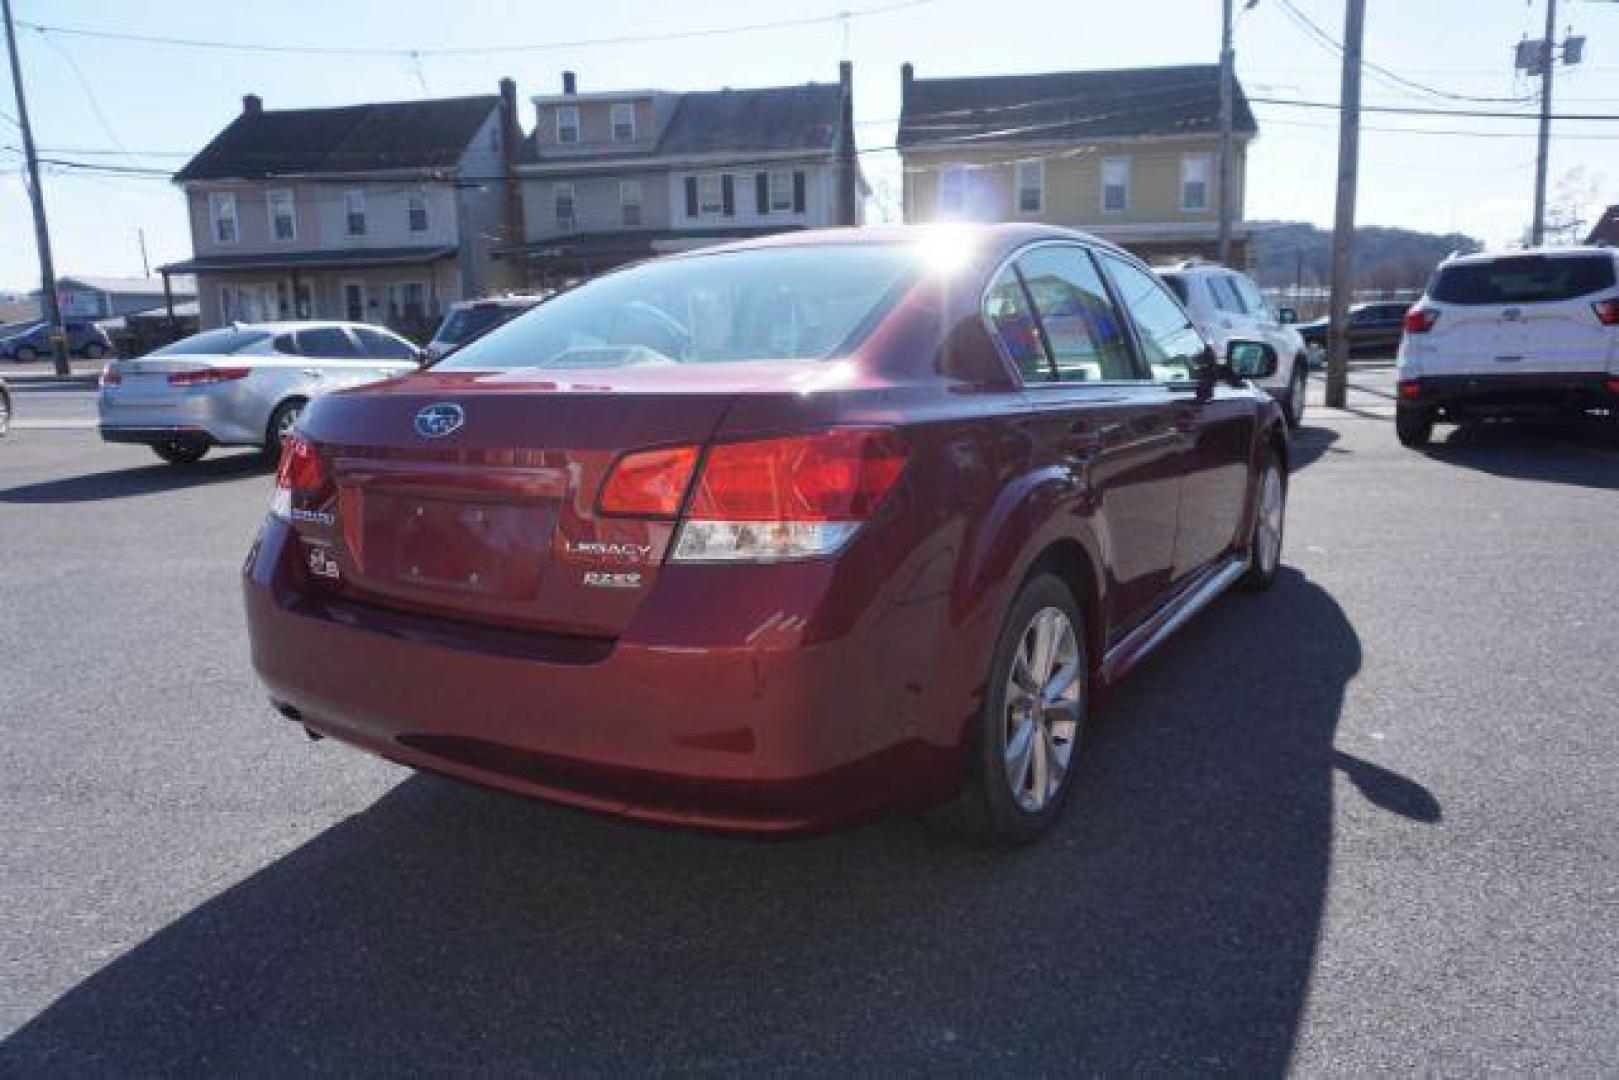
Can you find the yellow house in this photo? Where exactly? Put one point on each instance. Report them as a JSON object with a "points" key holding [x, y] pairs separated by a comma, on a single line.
{"points": [[1128, 155]]}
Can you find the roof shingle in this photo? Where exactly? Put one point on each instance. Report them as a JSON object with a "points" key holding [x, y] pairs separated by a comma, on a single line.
{"points": [[353, 138], [1070, 105]]}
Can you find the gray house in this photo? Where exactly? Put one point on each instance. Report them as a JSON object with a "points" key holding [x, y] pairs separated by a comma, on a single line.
{"points": [[381, 213], [615, 176]]}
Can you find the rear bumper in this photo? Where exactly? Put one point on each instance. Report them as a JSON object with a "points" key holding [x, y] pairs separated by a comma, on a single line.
{"points": [[225, 415], [1512, 395], [766, 736], [152, 436]]}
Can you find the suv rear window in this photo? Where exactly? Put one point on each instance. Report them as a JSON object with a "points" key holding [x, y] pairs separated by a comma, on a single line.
{"points": [[1523, 279]]}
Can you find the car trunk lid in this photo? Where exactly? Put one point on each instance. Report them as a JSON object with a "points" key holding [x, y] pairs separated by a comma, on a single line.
{"points": [[474, 495]]}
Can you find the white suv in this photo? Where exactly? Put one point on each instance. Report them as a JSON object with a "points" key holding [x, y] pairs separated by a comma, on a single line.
{"points": [[1227, 306], [1521, 333]]}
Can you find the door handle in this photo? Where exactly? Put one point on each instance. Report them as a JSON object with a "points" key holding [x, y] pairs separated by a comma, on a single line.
{"points": [[314, 373]]}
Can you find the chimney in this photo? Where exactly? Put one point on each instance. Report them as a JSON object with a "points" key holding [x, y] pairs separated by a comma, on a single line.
{"points": [[252, 105], [511, 140], [907, 72], [848, 167], [570, 83]]}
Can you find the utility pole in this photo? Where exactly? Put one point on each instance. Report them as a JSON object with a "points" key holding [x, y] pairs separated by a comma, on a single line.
{"points": [[146, 266], [1537, 229], [52, 309], [1343, 225], [1227, 74]]}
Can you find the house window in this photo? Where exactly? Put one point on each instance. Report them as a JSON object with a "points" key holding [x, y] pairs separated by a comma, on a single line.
{"points": [[1115, 185], [222, 212], [1196, 170], [354, 212], [416, 211], [710, 195], [1031, 186], [781, 193], [623, 118], [283, 218], [952, 195], [629, 201], [567, 123], [562, 201]]}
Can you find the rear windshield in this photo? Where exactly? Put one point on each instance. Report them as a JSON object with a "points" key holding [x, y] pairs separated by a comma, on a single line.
{"points": [[801, 303], [213, 342], [1523, 279], [468, 323]]}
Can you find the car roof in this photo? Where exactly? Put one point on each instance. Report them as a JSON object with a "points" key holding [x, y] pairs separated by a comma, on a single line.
{"points": [[990, 236], [286, 326]]}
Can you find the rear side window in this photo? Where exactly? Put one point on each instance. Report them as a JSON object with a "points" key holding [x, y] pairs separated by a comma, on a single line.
{"points": [[1226, 296], [382, 346], [213, 342], [328, 342], [1081, 326], [1007, 309], [1523, 279], [1248, 293]]}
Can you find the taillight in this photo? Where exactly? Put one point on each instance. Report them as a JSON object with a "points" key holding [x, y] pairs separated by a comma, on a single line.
{"points": [[208, 376], [649, 483], [791, 497], [300, 473], [109, 377], [1607, 311], [1419, 320], [1410, 388]]}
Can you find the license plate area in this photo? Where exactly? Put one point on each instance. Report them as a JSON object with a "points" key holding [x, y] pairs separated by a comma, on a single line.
{"points": [[455, 546]]}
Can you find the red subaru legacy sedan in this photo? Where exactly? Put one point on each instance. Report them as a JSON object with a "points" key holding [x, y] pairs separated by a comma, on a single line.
{"points": [[775, 536]]}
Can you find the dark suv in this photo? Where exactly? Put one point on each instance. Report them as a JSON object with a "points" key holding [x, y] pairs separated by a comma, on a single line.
{"points": [[1373, 327]]}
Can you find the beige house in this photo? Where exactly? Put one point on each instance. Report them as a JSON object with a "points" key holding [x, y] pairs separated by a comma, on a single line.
{"points": [[379, 213], [1128, 155]]}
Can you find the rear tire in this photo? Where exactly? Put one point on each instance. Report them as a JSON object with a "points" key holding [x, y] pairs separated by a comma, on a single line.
{"points": [[281, 424], [94, 351], [26, 354], [1413, 427], [5, 413], [1025, 745], [1270, 522], [181, 451]]}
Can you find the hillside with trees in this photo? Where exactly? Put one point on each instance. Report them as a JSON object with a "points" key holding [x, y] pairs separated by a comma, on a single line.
{"points": [[1286, 253]]}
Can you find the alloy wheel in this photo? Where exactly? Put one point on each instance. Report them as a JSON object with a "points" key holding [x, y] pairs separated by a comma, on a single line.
{"points": [[1042, 710], [1268, 531]]}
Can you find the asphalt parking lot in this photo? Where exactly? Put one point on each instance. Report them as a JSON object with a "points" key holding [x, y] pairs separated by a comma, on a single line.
{"points": [[1362, 823]]}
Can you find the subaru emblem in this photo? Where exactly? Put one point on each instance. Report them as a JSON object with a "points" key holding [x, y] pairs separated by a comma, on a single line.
{"points": [[437, 421]]}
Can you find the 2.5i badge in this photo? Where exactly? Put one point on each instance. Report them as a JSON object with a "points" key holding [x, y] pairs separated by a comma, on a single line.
{"points": [[612, 581]]}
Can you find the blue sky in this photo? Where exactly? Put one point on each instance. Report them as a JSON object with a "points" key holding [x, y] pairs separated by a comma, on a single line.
{"points": [[144, 106]]}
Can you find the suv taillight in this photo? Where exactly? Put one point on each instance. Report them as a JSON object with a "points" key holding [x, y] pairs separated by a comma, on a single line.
{"points": [[300, 473], [1419, 320], [763, 499], [1607, 311]]}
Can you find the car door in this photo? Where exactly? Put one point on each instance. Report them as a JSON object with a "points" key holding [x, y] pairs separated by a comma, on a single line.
{"points": [[333, 358], [1095, 415], [1215, 423], [393, 355]]}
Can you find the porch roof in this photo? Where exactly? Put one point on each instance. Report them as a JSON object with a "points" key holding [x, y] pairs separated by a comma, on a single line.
{"points": [[356, 258]]}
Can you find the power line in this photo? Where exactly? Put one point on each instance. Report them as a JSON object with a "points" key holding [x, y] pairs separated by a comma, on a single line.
{"points": [[471, 50], [1314, 30], [1433, 131], [1407, 110]]}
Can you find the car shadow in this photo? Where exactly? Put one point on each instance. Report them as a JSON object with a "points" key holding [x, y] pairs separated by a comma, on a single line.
{"points": [[1168, 924], [138, 480], [1308, 445], [1582, 454]]}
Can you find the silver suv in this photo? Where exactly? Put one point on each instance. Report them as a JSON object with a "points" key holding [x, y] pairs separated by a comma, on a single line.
{"points": [[1227, 306]]}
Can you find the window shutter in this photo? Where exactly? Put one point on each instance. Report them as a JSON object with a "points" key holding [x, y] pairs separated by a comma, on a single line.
{"points": [[798, 192], [691, 196], [728, 194], [761, 192]]}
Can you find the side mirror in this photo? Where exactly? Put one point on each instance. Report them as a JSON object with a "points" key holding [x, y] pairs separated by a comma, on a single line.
{"points": [[1250, 359], [1287, 316]]}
